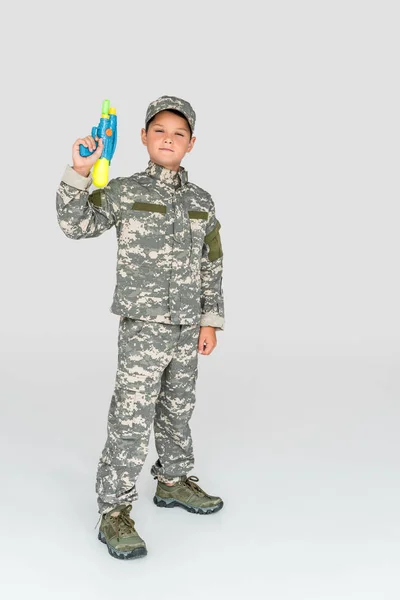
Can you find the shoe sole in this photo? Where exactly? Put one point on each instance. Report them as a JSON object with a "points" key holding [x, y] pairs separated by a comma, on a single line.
{"points": [[171, 503], [136, 553]]}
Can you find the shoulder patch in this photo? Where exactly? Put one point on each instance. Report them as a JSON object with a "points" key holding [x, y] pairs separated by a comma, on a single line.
{"points": [[95, 197]]}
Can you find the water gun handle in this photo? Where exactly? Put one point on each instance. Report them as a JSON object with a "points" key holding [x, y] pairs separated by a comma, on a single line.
{"points": [[83, 151]]}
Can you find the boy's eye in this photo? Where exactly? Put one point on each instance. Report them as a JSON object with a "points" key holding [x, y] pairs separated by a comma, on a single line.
{"points": [[160, 131]]}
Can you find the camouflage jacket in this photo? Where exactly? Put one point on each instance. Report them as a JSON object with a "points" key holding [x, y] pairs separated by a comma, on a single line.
{"points": [[169, 261]]}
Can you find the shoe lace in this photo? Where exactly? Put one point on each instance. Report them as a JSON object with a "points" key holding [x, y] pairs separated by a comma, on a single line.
{"points": [[98, 521], [123, 521], [190, 482]]}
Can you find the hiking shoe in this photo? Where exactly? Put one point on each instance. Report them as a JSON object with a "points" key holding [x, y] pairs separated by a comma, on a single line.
{"points": [[188, 495], [119, 533]]}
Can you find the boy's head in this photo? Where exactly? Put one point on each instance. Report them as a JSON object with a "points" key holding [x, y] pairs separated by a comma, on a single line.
{"points": [[168, 132]]}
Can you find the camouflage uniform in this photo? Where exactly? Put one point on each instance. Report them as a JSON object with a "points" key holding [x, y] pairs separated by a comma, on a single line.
{"points": [[168, 284]]}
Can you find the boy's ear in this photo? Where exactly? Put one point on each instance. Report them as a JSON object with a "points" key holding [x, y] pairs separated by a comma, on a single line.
{"points": [[143, 135], [191, 144]]}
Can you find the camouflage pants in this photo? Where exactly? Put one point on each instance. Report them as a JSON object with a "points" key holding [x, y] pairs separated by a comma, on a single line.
{"points": [[155, 385]]}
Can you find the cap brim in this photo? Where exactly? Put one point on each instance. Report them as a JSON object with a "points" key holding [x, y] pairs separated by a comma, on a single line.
{"points": [[166, 108]]}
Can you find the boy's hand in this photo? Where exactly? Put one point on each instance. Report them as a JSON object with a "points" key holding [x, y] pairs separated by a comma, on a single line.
{"points": [[83, 164], [207, 340]]}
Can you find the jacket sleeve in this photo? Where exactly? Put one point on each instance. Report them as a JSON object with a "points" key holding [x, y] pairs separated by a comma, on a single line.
{"points": [[212, 299], [82, 214]]}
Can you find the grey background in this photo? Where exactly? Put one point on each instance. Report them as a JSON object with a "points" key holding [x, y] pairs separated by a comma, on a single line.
{"points": [[297, 419]]}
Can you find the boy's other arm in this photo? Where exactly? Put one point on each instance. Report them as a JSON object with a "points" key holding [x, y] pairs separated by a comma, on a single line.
{"points": [[212, 298], [82, 214]]}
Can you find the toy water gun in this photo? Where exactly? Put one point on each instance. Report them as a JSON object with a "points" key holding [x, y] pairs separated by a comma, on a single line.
{"points": [[107, 130]]}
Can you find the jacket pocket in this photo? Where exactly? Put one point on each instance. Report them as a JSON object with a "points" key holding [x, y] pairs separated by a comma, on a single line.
{"points": [[213, 240], [142, 233], [148, 206], [198, 214]]}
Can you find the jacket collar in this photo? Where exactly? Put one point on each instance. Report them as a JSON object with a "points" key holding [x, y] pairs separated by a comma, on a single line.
{"points": [[164, 175]]}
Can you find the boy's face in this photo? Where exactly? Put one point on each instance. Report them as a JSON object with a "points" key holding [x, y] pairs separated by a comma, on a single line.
{"points": [[168, 139]]}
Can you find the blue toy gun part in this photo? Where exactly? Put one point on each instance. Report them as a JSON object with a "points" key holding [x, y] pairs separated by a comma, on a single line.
{"points": [[107, 130]]}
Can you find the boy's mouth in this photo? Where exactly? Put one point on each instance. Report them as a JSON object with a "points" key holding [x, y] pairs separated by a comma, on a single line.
{"points": [[166, 149]]}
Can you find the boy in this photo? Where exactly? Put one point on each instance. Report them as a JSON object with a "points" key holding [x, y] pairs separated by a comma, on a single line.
{"points": [[169, 297]]}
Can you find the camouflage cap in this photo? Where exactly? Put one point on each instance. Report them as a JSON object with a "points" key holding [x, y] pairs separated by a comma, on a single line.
{"points": [[166, 102]]}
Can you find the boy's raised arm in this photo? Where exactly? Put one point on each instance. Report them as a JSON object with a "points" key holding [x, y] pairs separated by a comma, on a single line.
{"points": [[212, 298], [82, 214]]}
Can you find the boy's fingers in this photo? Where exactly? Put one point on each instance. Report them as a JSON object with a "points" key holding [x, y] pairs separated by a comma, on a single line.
{"points": [[204, 347]]}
